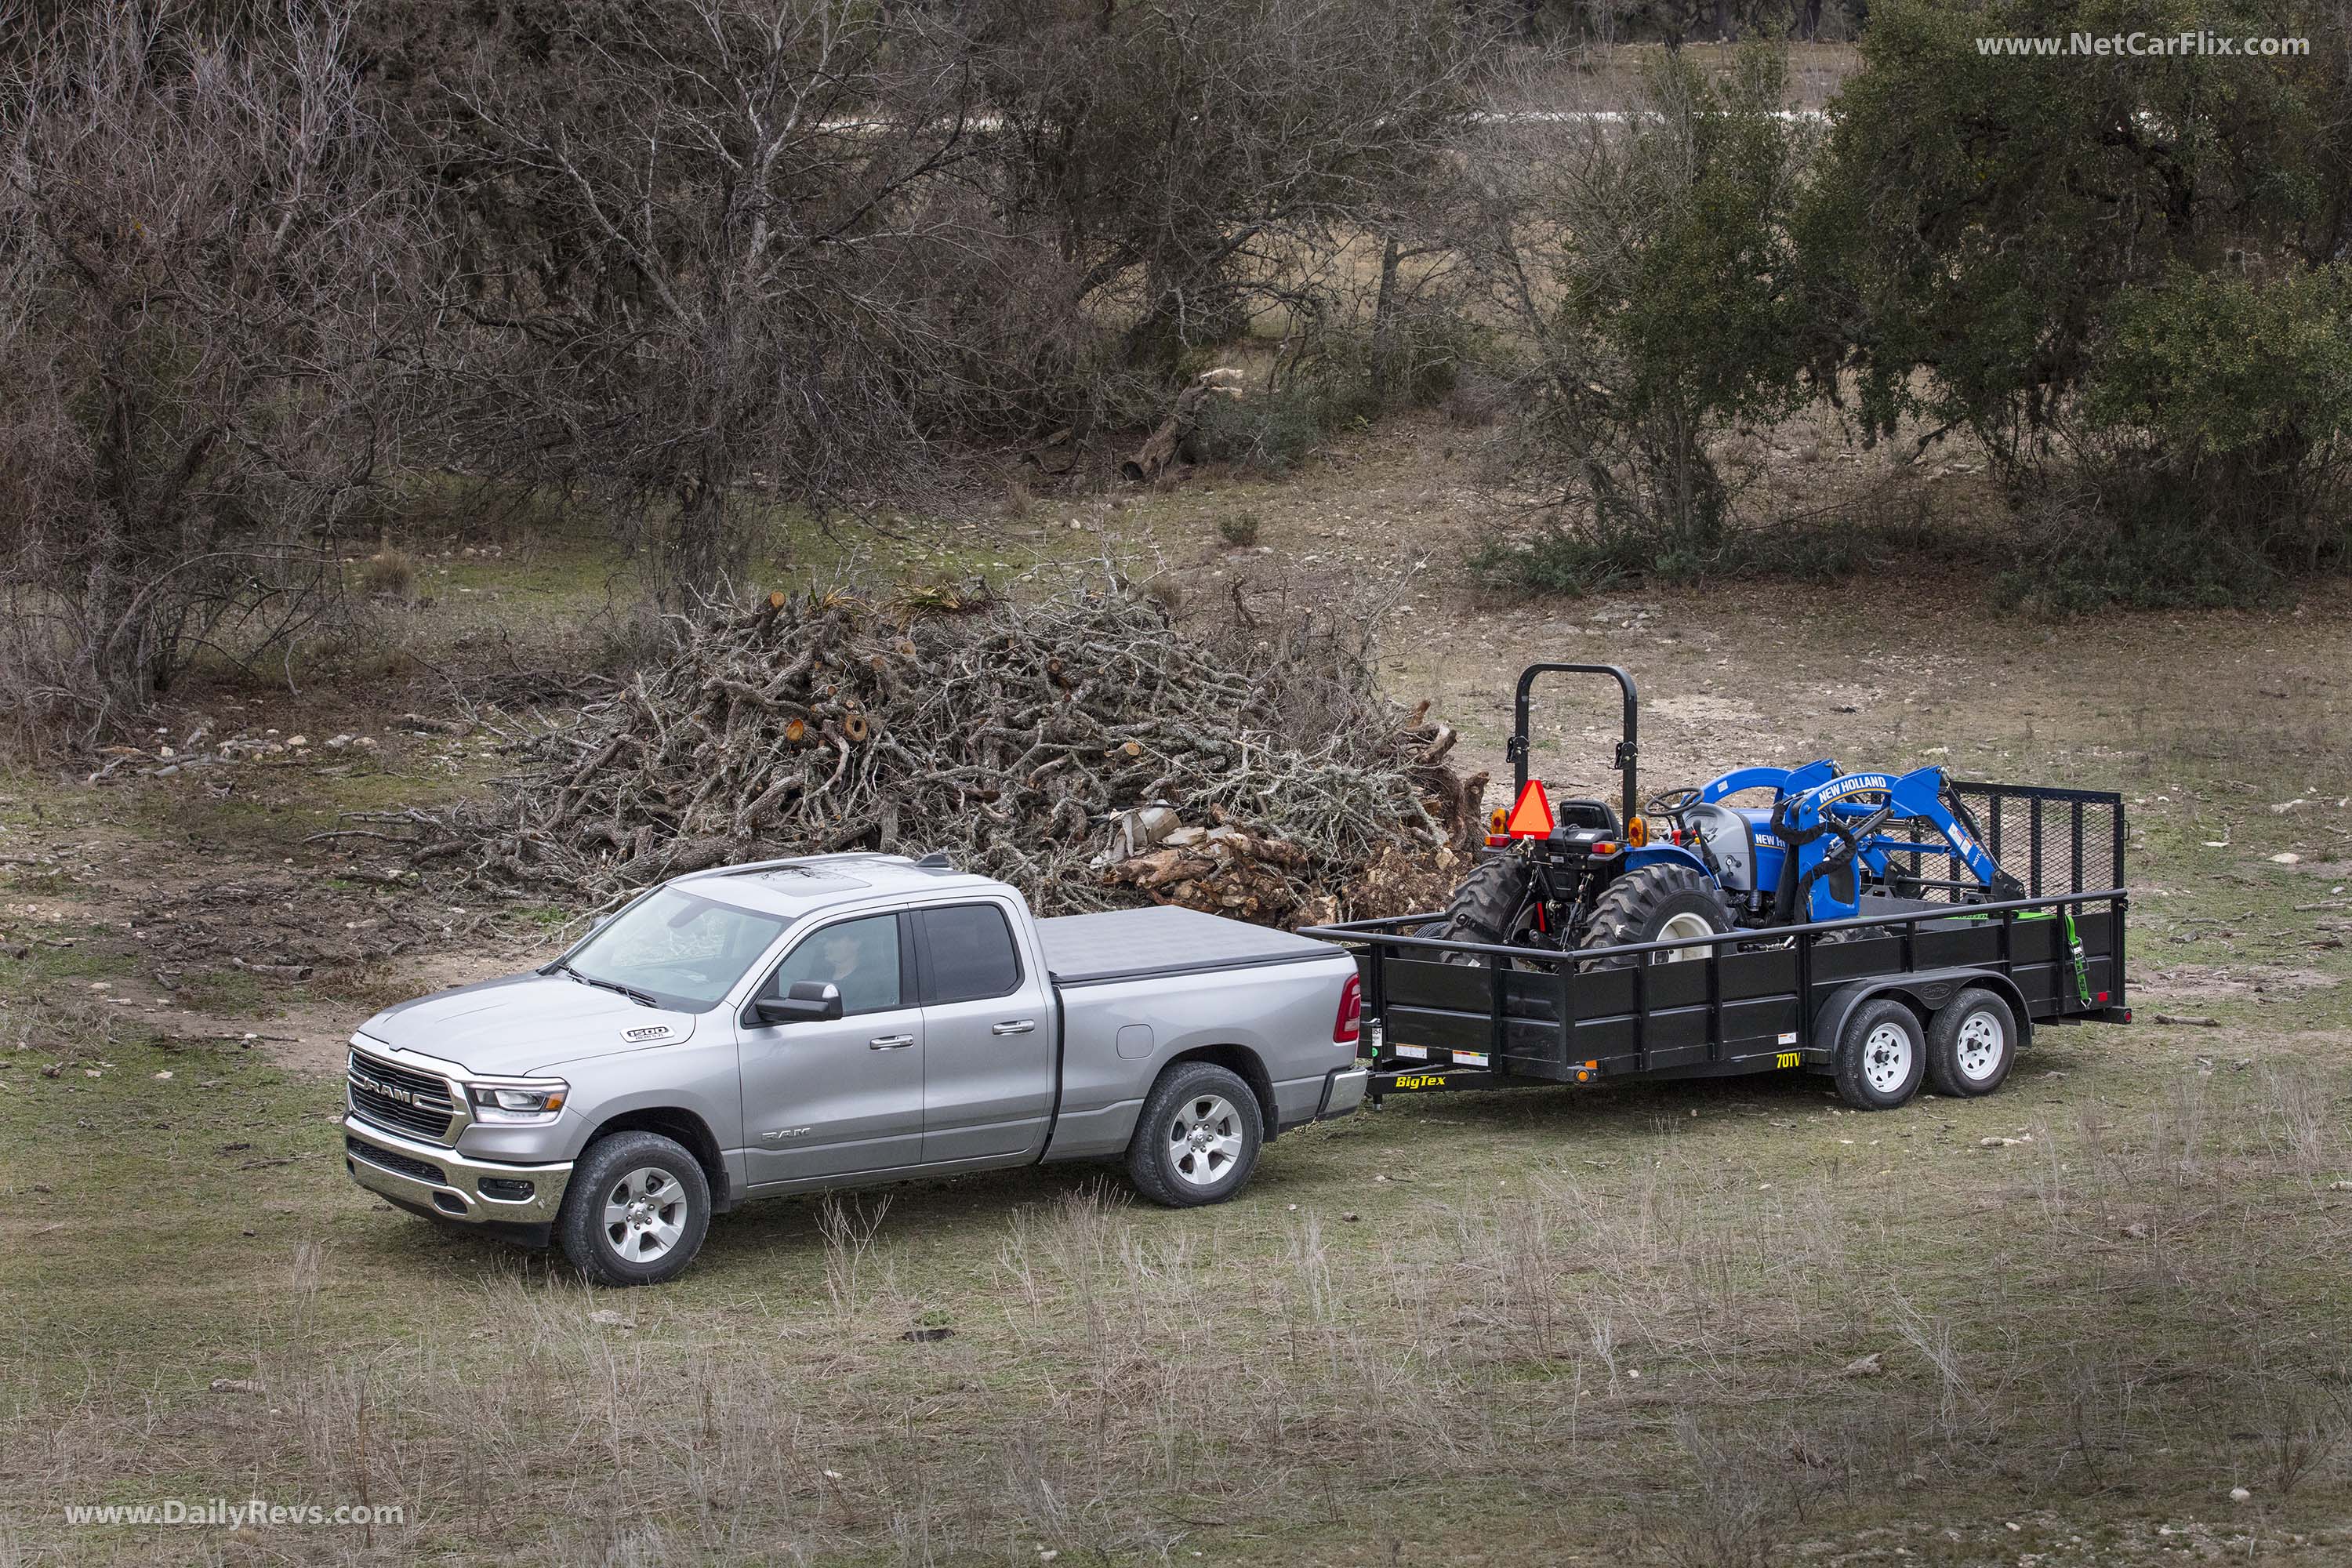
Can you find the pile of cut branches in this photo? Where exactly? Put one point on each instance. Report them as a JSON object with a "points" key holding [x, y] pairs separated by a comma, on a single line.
{"points": [[1027, 741]]}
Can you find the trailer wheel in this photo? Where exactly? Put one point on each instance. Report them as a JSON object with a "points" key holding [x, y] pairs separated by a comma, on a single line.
{"points": [[1197, 1140], [1656, 903], [1882, 1056], [1970, 1044]]}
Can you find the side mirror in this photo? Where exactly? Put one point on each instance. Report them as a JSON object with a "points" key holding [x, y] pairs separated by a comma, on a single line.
{"points": [[809, 1002]]}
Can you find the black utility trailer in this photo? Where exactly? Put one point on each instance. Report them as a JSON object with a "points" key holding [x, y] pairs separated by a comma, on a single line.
{"points": [[1919, 993]]}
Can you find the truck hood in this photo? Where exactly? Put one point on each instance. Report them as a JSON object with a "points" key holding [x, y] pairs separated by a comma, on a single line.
{"points": [[517, 1026]]}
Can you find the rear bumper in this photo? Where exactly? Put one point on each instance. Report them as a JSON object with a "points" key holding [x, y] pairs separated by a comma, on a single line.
{"points": [[469, 1191], [1343, 1091]]}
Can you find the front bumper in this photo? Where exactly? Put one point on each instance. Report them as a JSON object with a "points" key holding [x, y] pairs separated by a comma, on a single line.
{"points": [[471, 1192], [1343, 1091]]}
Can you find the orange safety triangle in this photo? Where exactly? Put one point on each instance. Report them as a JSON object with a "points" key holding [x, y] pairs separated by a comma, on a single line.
{"points": [[1531, 817]]}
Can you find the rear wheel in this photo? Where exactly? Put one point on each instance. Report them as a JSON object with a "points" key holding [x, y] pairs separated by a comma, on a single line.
{"points": [[1970, 1044], [1197, 1140], [1882, 1056], [1656, 903], [1490, 906]]}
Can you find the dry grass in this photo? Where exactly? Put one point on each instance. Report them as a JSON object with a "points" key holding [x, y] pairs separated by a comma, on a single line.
{"points": [[1654, 1355]]}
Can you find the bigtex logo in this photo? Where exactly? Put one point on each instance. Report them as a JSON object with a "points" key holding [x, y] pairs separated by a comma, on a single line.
{"points": [[1421, 1081]]}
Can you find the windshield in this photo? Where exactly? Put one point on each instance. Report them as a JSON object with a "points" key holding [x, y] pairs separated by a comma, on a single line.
{"points": [[682, 951]]}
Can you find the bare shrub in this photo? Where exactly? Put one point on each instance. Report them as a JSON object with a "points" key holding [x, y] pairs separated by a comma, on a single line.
{"points": [[388, 573]]}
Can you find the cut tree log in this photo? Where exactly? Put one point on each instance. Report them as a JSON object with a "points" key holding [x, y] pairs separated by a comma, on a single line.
{"points": [[1154, 455]]}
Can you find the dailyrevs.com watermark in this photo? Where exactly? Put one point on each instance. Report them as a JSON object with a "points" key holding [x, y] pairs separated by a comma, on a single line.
{"points": [[2155, 46], [226, 1513]]}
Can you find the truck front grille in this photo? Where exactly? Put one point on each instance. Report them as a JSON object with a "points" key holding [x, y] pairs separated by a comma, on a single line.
{"points": [[401, 1099], [393, 1159]]}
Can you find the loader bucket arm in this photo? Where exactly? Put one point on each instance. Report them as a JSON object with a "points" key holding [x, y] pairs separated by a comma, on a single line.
{"points": [[1837, 823]]}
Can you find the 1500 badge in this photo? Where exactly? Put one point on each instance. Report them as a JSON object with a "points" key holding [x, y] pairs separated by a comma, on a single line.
{"points": [[647, 1032]]}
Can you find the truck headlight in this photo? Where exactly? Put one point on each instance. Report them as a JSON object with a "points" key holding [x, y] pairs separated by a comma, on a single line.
{"points": [[522, 1102]]}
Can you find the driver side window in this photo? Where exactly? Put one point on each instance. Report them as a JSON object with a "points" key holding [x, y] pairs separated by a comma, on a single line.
{"points": [[860, 957]]}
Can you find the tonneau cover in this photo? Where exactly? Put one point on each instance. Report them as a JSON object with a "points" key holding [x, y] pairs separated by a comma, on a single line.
{"points": [[1125, 945]]}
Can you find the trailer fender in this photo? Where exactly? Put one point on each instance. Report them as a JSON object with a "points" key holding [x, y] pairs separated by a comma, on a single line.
{"points": [[1925, 991]]}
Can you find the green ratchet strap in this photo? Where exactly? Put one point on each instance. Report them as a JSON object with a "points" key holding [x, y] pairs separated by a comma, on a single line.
{"points": [[2082, 965], [2073, 946]]}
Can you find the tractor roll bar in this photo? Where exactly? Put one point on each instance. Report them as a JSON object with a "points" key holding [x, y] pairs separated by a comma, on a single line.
{"points": [[1628, 745]]}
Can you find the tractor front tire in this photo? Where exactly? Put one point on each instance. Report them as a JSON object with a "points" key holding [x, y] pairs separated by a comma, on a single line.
{"points": [[1484, 907], [1651, 905]]}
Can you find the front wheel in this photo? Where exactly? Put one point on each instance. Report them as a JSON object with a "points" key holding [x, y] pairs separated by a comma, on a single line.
{"points": [[1198, 1139], [637, 1210], [1881, 1056]]}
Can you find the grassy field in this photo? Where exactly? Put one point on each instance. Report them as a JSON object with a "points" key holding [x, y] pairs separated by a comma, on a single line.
{"points": [[1714, 1324]]}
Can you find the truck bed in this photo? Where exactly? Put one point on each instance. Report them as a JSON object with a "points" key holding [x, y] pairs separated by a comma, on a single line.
{"points": [[1132, 944]]}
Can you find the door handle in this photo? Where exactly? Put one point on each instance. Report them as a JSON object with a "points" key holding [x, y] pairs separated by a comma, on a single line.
{"points": [[889, 1042], [1014, 1027]]}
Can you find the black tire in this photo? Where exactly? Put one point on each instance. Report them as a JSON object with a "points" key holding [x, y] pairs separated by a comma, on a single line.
{"points": [[634, 1168], [1174, 1158], [1490, 906], [1875, 1069], [1971, 1042], [1640, 904]]}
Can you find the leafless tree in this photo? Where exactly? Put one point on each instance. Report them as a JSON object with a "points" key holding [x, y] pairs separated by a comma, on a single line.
{"points": [[205, 336], [701, 245], [1181, 153]]}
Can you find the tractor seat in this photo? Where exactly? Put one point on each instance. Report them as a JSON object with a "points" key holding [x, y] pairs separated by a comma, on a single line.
{"points": [[1585, 813]]}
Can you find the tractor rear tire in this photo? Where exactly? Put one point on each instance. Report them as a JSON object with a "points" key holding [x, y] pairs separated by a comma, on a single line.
{"points": [[1641, 906], [1484, 907]]}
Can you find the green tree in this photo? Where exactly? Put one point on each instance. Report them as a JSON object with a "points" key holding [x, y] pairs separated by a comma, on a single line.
{"points": [[2115, 269]]}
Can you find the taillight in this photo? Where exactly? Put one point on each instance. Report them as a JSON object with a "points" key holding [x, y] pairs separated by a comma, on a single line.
{"points": [[1349, 1025]]}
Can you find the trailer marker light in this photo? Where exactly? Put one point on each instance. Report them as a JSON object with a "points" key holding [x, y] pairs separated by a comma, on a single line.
{"points": [[2103, 997], [1531, 817]]}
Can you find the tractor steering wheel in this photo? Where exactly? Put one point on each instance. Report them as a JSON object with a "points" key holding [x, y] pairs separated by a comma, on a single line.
{"points": [[1673, 802]]}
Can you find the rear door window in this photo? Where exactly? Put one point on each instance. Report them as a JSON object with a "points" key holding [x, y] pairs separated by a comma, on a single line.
{"points": [[968, 953]]}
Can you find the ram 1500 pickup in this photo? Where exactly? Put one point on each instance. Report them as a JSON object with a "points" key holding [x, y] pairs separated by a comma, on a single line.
{"points": [[841, 1020]]}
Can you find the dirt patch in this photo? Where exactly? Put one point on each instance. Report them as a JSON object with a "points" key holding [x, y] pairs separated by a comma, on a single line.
{"points": [[2212, 981]]}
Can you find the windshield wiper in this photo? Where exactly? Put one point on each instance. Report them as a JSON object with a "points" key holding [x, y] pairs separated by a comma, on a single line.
{"points": [[642, 998]]}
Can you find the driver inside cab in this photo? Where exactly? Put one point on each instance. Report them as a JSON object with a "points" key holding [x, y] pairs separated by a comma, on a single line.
{"points": [[860, 958]]}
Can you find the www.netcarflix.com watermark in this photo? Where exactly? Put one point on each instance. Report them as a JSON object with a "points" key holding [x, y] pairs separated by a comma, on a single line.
{"points": [[2149, 46], [233, 1513]]}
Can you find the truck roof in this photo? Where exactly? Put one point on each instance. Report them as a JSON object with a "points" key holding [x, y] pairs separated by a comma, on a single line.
{"points": [[793, 887]]}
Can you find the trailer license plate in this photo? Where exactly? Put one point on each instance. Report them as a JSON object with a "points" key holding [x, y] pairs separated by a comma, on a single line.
{"points": [[1469, 1058], [1412, 1053]]}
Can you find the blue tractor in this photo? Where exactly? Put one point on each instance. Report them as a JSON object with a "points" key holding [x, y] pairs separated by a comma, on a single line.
{"points": [[1809, 844]]}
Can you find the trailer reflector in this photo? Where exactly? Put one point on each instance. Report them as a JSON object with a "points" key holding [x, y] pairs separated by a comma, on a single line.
{"points": [[1531, 817]]}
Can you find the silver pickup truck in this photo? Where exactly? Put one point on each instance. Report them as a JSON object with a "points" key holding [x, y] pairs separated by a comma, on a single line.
{"points": [[836, 1021]]}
